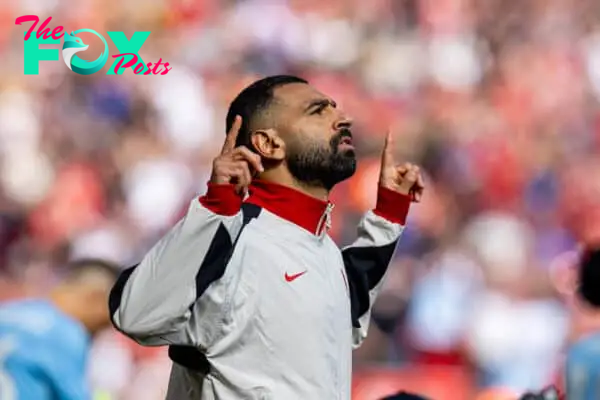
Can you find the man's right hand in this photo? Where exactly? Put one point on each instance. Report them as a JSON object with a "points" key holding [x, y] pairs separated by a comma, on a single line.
{"points": [[235, 165]]}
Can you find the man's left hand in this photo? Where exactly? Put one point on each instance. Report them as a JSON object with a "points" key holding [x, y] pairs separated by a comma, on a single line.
{"points": [[402, 178]]}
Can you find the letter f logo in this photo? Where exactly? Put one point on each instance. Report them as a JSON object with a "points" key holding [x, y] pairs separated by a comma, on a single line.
{"points": [[32, 54]]}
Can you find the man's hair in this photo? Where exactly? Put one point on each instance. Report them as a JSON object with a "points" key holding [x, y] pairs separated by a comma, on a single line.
{"points": [[254, 100], [78, 269], [404, 396], [589, 277], [549, 393]]}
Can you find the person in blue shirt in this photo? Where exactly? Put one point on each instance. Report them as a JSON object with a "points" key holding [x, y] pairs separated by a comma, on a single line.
{"points": [[44, 343], [582, 374]]}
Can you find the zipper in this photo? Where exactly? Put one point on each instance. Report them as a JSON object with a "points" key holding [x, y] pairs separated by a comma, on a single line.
{"points": [[325, 222]]}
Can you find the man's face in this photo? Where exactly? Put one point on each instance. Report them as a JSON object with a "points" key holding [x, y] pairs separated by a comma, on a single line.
{"points": [[101, 314], [94, 296], [317, 135]]}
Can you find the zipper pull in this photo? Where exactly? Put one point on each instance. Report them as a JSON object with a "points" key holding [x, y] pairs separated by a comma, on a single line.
{"points": [[325, 222], [328, 211]]}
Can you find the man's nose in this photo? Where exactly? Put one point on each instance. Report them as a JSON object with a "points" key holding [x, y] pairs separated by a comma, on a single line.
{"points": [[344, 122]]}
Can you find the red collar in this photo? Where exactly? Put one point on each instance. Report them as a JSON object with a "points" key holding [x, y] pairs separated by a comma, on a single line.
{"points": [[290, 204]]}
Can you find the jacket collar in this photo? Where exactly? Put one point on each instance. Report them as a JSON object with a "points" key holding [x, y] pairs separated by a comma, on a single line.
{"points": [[301, 209]]}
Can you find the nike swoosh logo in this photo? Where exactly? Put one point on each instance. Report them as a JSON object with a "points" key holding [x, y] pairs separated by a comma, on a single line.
{"points": [[290, 278]]}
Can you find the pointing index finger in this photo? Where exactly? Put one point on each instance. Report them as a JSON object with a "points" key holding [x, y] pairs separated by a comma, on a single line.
{"points": [[232, 135], [387, 157]]}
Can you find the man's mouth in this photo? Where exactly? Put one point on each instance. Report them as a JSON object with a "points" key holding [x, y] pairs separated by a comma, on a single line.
{"points": [[345, 140], [346, 145]]}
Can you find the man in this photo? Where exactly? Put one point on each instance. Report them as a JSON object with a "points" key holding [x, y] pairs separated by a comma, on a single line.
{"points": [[254, 298], [44, 343], [582, 373], [549, 393], [404, 396]]}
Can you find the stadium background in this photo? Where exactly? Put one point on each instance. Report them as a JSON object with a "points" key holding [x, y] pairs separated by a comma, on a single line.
{"points": [[498, 100]]}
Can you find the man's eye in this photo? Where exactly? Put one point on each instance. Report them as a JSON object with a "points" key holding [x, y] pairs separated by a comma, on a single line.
{"points": [[319, 110]]}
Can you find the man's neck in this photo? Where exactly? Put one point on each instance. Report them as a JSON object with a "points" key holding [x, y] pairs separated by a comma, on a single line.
{"points": [[584, 320], [60, 298], [312, 190]]}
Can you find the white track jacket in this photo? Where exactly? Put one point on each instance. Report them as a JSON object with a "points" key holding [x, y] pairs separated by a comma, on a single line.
{"points": [[254, 299]]}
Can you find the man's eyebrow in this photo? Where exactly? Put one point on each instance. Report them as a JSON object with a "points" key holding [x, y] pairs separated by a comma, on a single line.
{"points": [[320, 103]]}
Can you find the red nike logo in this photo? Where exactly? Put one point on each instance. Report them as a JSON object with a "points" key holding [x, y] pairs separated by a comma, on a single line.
{"points": [[290, 278]]}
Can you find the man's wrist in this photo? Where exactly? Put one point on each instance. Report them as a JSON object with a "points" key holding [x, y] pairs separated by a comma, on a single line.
{"points": [[222, 199], [392, 206]]}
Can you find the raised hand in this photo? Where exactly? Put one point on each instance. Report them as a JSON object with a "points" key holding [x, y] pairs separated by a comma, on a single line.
{"points": [[405, 178], [235, 165]]}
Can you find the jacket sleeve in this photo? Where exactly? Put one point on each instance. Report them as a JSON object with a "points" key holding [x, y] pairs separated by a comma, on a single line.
{"points": [[367, 259], [583, 369], [178, 293]]}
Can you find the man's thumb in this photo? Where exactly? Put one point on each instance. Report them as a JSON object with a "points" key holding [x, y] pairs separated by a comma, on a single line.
{"points": [[410, 178]]}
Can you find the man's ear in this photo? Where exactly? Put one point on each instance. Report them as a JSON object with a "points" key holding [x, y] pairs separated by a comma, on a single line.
{"points": [[268, 144]]}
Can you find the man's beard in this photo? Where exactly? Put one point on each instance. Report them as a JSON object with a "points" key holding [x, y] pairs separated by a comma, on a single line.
{"points": [[314, 164]]}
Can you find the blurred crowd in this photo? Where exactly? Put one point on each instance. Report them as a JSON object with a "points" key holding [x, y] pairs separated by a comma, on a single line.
{"points": [[497, 100]]}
